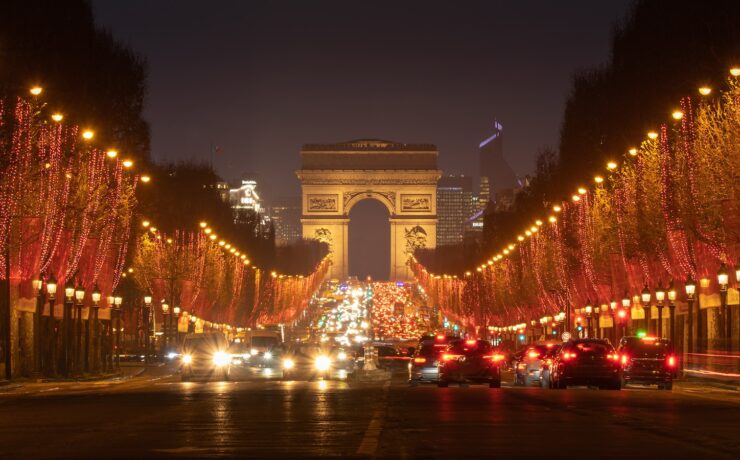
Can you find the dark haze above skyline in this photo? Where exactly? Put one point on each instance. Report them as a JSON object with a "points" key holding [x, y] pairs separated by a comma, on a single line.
{"points": [[259, 79]]}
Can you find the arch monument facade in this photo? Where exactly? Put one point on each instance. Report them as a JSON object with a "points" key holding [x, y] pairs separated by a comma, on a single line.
{"points": [[403, 177]]}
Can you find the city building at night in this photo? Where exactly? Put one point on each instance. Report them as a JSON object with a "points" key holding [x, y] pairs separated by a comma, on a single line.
{"points": [[454, 207], [285, 215], [245, 202], [495, 173]]}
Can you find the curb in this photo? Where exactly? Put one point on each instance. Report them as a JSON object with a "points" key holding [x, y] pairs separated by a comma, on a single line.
{"points": [[733, 385]]}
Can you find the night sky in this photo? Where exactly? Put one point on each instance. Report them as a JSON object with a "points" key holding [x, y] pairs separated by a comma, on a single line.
{"points": [[260, 78]]}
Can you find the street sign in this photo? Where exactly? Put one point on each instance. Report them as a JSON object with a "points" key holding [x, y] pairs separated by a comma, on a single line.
{"points": [[565, 336]]}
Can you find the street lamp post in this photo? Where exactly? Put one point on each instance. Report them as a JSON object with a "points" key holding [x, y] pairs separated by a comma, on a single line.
{"points": [[147, 306], [645, 298], [69, 298], [118, 301], [659, 297], [589, 310], [165, 327], [95, 329], [191, 326], [51, 291], [672, 312], [38, 285], [109, 360], [723, 279], [690, 291], [82, 365], [176, 328], [625, 313], [613, 310]]}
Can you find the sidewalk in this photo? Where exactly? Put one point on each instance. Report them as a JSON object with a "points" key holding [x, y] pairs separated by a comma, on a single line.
{"points": [[725, 384], [127, 371]]}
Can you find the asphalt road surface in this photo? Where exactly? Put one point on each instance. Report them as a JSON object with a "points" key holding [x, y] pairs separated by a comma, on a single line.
{"points": [[157, 416]]}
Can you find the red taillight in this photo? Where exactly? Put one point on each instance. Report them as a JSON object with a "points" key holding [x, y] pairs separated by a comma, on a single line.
{"points": [[533, 354], [613, 356], [449, 357], [470, 342], [625, 359], [494, 357], [440, 337], [671, 361], [420, 360], [569, 355]]}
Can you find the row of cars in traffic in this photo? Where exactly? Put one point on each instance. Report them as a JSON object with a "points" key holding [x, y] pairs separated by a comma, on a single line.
{"points": [[578, 362], [211, 356]]}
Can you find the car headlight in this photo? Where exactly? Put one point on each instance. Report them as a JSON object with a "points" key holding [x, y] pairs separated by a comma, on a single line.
{"points": [[220, 358], [267, 356], [187, 359], [254, 351], [341, 356], [288, 363], [323, 363], [171, 355]]}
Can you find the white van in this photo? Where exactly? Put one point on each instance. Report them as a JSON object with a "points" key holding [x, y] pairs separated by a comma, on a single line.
{"points": [[260, 341]]}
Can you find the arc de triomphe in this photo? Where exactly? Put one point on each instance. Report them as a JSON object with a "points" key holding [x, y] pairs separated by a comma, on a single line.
{"points": [[403, 177]]}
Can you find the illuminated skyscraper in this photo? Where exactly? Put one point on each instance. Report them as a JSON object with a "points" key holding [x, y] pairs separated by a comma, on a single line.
{"points": [[454, 207], [495, 173], [286, 218]]}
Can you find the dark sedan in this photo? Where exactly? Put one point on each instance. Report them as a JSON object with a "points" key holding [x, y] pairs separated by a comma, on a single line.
{"points": [[470, 361], [423, 365], [647, 361], [586, 362]]}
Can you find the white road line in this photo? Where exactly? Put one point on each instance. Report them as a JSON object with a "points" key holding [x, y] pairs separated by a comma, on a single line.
{"points": [[369, 443]]}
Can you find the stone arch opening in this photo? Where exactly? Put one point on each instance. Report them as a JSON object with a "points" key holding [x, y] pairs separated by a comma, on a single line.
{"points": [[369, 239], [384, 198], [402, 177]]}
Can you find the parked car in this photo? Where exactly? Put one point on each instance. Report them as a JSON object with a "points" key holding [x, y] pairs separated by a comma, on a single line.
{"points": [[470, 361], [647, 361], [586, 362], [205, 355]]}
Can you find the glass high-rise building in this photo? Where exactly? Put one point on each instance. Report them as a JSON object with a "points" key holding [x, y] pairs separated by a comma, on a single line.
{"points": [[495, 173], [454, 208], [286, 219]]}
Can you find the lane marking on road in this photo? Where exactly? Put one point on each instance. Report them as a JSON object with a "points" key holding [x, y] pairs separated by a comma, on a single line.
{"points": [[369, 443], [45, 390]]}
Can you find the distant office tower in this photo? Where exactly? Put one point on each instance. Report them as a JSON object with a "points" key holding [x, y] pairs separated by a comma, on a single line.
{"points": [[495, 173], [454, 207], [286, 218]]}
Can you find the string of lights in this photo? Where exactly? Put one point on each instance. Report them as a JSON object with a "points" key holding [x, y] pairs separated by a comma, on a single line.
{"points": [[650, 223]]}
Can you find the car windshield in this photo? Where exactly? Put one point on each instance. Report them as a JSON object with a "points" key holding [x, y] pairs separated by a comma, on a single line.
{"points": [[552, 351], [428, 349], [539, 349], [387, 351], [267, 342], [467, 347], [309, 351], [591, 348], [204, 344], [648, 348]]}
